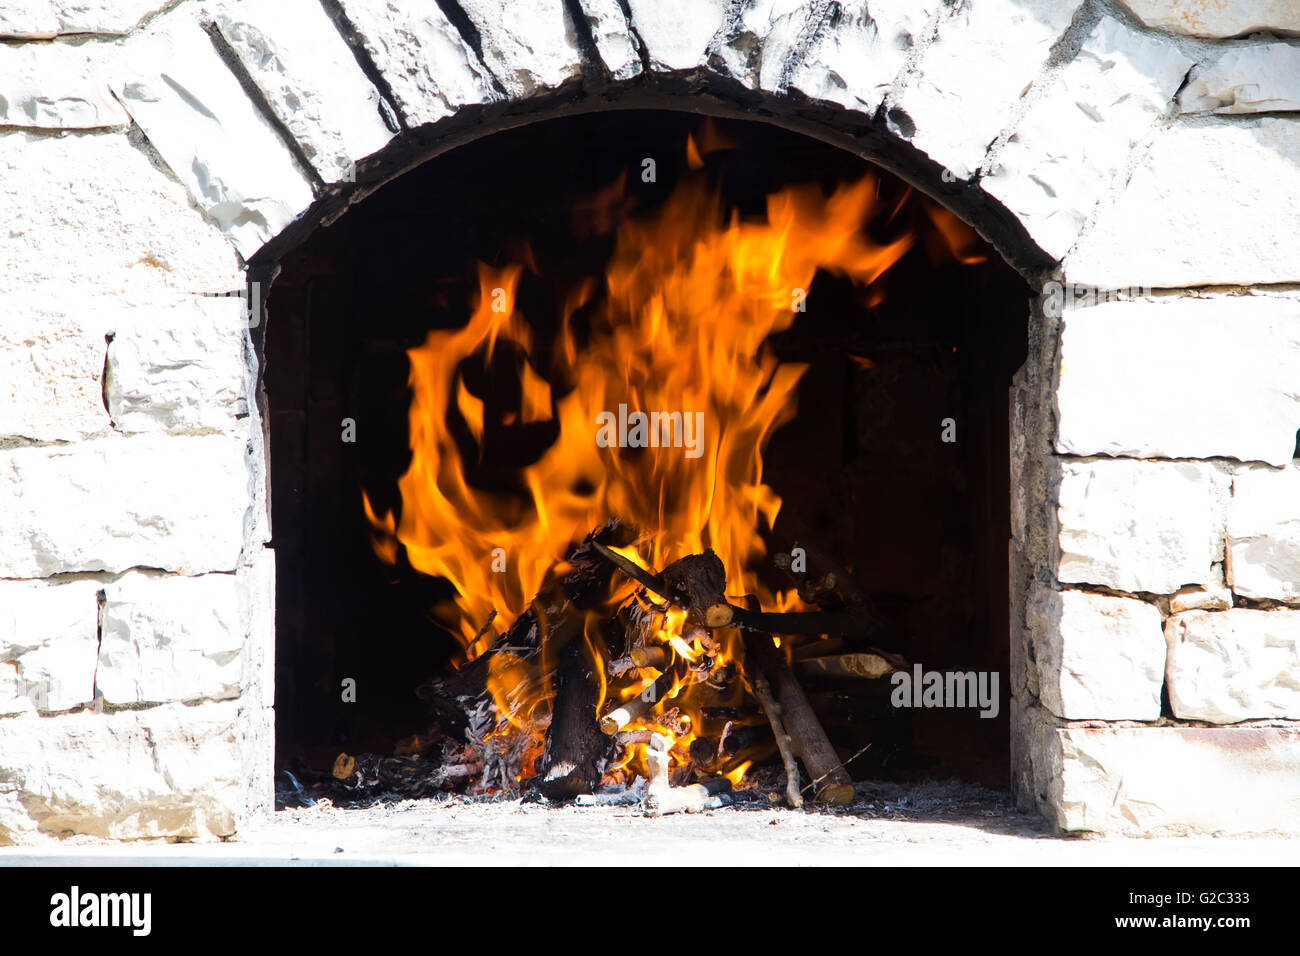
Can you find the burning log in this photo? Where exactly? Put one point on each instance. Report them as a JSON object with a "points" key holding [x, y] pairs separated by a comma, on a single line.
{"points": [[656, 656], [697, 586], [640, 705], [576, 750], [662, 798], [697, 583], [807, 737], [620, 666], [627, 738]]}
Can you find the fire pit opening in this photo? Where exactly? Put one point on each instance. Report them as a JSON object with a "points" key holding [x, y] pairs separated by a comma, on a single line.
{"points": [[567, 422]]}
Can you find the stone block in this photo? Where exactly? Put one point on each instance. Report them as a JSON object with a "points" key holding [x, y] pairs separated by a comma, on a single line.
{"points": [[310, 79], [1140, 525], [1225, 384]]}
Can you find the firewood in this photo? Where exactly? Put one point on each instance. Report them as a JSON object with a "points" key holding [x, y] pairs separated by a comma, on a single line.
{"points": [[656, 656], [763, 691], [865, 665], [807, 737], [625, 713], [620, 666], [696, 588], [627, 738], [576, 751], [559, 603], [697, 583]]}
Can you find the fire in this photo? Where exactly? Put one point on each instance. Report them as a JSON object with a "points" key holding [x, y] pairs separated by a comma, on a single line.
{"points": [[679, 324]]}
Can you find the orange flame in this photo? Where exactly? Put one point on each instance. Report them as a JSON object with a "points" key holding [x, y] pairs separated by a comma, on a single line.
{"points": [[690, 298]]}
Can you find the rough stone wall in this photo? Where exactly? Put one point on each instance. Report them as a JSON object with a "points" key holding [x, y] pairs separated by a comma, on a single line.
{"points": [[155, 154]]}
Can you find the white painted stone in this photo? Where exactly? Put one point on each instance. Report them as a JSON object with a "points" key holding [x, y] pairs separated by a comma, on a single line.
{"points": [[1096, 656], [310, 79], [430, 68], [256, 584], [614, 43], [854, 60], [93, 214], [215, 140], [31, 19], [762, 38], [1227, 666], [255, 740], [677, 33], [1226, 381], [1166, 229], [1252, 79], [48, 642], [169, 638], [969, 80], [1076, 137], [1217, 18], [1263, 545], [529, 47], [51, 368], [171, 502], [179, 367], [172, 771], [1144, 781], [1200, 599], [1140, 525], [56, 86]]}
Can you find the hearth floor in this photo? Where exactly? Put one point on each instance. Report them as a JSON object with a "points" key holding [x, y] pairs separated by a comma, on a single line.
{"points": [[926, 824]]}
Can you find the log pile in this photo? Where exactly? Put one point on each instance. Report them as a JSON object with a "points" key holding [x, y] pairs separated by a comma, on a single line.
{"points": [[688, 708]]}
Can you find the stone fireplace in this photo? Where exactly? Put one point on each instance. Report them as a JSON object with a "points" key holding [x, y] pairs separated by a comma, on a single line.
{"points": [[1133, 161]]}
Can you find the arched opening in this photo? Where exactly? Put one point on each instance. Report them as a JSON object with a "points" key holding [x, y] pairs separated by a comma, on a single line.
{"points": [[892, 470]]}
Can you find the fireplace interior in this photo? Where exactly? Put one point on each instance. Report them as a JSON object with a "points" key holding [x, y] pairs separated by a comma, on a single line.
{"points": [[892, 467]]}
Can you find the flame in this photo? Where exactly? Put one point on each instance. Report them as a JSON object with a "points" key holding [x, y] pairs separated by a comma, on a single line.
{"points": [[679, 327]]}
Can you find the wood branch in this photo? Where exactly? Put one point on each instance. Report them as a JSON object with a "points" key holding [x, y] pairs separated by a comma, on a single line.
{"points": [[620, 666], [656, 656], [864, 665], [698, 584], [619, 716], [808, 738], [763, 691], [627, 738]]}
